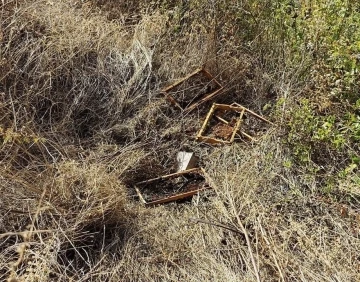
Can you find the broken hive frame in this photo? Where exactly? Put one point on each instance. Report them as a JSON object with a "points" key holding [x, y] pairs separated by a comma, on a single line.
{"points": [[204, 97], [254, 115], [235, 107], [178, 196], [200, 137]]}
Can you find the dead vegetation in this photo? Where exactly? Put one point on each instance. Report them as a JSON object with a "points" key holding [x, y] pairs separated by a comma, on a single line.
{"points": [[83, 119]]}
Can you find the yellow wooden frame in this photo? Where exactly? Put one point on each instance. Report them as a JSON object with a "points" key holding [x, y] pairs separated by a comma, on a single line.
{"points": [[235, 107]]}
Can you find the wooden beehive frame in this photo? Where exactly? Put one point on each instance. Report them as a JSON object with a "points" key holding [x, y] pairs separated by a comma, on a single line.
{"points": [[235, 107], [205, 97], [175, 197]]}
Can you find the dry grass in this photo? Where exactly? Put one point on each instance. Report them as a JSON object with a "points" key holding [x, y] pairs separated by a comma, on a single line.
{"points": [[81, 120]]}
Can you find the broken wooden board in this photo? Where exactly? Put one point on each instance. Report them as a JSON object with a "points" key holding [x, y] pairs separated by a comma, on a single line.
{"points": [[172, 187], [193, 90]]}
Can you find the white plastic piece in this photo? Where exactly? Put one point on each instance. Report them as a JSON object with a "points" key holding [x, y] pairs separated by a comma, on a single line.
{"points": [[186, 160]]}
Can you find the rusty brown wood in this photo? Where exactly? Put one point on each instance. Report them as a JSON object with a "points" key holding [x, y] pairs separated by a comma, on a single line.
{"points": [[176, 197], [203, 100], [173, 101], [229, 107], [166, 89], [201, 171], [210, 76]]}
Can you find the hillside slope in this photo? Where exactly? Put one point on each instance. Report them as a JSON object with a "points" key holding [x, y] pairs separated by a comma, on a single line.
{"points": [[82, 119]]}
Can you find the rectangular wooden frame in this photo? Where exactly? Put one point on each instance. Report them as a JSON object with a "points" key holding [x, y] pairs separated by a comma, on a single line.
{"points": [[205, 98], [233, 107], [176, 196]]}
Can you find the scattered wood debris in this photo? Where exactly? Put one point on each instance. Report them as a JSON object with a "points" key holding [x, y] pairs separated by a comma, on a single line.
{"points": [[221, 125], [172, 187], [223, 122], [191, 91]]}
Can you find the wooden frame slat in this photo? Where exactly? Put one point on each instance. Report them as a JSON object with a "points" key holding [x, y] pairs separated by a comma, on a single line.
{"points": [[175, 197], [206, 97], [233, 107]]}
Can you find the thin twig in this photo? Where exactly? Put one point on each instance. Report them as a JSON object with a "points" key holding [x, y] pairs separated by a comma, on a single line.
{"points": [[24, 233], [272, 252], [197, 220], [249, 248]]}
